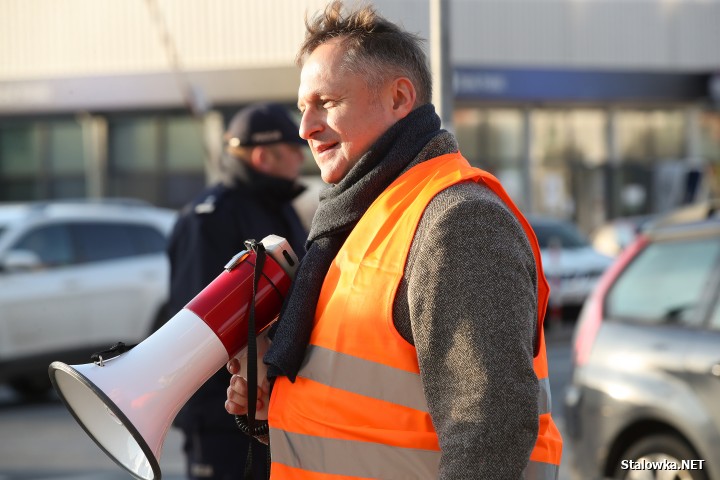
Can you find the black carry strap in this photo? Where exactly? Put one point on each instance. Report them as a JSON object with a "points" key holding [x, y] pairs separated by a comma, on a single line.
{"points": [[259, 250]]}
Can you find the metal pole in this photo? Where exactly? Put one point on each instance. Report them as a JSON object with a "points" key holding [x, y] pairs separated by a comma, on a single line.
{"points": [[95, 149], [440, 63], [528, 167]]}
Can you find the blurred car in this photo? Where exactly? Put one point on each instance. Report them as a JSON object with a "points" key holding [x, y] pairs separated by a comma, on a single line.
{"points": [[613, 237], [572, 266], [77, 277], [645, 387]]}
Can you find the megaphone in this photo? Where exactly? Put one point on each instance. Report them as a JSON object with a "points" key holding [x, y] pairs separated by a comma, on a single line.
{"points": [[127, 403]]}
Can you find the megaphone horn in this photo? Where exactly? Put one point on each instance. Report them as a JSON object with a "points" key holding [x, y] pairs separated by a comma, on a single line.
{"points": [[127, 403]]}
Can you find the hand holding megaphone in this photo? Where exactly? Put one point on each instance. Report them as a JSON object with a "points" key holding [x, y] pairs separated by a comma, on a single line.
{"points": [[237, 392]]}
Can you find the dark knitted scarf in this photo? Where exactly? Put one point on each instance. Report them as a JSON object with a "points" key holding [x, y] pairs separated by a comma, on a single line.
{"points": [[341, 207]]}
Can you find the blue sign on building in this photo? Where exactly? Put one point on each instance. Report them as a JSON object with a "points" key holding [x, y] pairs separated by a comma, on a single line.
{"points": [[577, 85]]}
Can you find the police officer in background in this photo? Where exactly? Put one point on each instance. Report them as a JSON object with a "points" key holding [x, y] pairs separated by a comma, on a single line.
{"points": [[261, 164]]}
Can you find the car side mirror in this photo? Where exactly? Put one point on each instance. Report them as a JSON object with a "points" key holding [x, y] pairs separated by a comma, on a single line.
{"points": [[20, 260]]}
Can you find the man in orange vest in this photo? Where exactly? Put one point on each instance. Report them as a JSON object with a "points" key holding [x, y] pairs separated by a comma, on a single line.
{"points": [[411, 344]]}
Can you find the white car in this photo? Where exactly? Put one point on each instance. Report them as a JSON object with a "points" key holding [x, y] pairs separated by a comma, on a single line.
{"points": [[571, 265], [75, 278]]}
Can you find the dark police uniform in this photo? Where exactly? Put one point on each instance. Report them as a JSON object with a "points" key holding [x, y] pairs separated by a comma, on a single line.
{"points": [[208, 233]]}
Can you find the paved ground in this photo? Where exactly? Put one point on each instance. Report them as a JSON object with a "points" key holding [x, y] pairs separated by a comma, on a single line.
{"points": [[41, 441]]}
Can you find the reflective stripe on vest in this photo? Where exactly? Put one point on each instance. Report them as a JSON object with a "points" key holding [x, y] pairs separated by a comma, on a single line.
{"points": [[375, 380], [351, 458], [309, 456], [370, 379], [541, 471], [357, 408]]}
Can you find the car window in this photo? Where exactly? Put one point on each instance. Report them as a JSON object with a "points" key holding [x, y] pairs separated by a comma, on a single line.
{"points": [[102, 241], [665, 282], [715, 317], [564, 233], [52, 243], [146, 239]]}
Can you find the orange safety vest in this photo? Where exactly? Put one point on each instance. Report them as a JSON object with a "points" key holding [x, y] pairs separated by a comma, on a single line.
{"points": [[357, 408]]}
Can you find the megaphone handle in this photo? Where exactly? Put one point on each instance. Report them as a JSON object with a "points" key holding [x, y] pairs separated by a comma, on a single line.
{"points": [[259, 250], [263, 344]]}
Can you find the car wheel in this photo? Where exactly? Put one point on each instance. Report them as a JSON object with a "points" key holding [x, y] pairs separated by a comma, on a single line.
{"points": [[31, 387], [651, 458]]}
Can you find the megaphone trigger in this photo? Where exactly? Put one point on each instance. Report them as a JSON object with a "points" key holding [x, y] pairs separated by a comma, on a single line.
{"points": [[119, 348]]}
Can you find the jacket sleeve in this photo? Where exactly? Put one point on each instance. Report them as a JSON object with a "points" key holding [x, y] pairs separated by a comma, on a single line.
{"points": [[472, 304], [199, 248]]}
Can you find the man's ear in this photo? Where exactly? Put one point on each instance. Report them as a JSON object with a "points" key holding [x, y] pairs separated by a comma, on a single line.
{"points": [[258, 158], [403, 96]]}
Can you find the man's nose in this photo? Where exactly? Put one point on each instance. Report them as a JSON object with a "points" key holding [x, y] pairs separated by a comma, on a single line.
{"points": [[309, 125]]}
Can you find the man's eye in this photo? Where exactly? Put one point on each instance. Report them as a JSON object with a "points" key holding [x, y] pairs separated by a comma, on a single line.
{"points": [[328, 103]]}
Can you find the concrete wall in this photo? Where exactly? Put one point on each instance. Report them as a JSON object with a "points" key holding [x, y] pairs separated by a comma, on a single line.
{"points": [[85, 54]]}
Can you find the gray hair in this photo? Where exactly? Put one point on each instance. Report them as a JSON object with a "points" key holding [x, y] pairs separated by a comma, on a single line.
{"points": [[375, 48]]}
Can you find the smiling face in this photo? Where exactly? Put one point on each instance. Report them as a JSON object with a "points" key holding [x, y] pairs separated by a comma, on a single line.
{"points": [[341, 116]]}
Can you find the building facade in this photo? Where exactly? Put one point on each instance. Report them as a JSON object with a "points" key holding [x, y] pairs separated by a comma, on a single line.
{"points": [[586, 110]]}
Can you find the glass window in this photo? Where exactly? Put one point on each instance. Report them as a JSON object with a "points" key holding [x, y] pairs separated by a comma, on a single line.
{"points": [[66, 147], [468, 130], [551, 142], [569, 135], [19, 189], [134, 167], [568, 150], [51, 243], [710, 135], [651, 135], [493, 139], [185, 144], [561, 234], [133, 144], [490, 138], [42, 159], [633, 135], [159, 158], [665, 282], [20, 149], [588, 135], [668, 133], [102, 241]]}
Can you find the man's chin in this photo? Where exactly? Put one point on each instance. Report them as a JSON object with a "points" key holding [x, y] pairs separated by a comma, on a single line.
{"points": [[329, 179], [331, 174]]}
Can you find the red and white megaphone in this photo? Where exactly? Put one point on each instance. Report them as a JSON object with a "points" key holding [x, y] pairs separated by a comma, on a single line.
{"points": [[127, 403]]}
